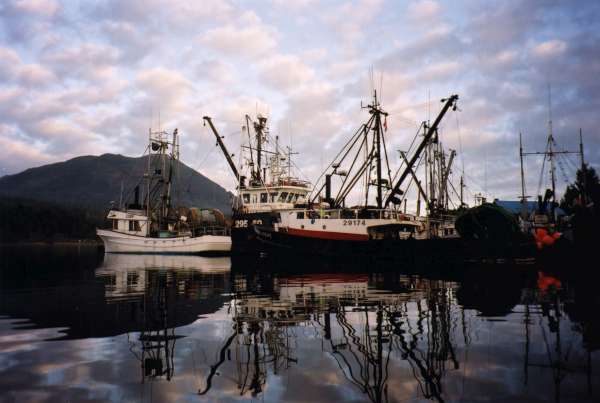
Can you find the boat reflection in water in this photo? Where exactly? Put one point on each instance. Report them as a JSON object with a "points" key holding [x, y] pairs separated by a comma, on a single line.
{"points": [[394, 337], [162, 292], [170, 328], [361, 327]]}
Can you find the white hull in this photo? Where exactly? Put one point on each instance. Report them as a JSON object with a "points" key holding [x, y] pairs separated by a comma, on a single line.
{"points": [[131, 262], [116, 242]]}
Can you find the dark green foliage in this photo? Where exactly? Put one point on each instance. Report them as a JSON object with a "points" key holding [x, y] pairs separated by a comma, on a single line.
{"points": [[586, 184], [24, 220], [585, 210], [488, 222], [93, 182]]}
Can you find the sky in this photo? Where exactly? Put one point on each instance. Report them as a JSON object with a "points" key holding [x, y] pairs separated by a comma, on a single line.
{"points": [[92, 77]]}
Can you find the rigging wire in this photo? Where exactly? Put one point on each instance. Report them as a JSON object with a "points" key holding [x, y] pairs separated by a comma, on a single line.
{"points": [[539, 188]]}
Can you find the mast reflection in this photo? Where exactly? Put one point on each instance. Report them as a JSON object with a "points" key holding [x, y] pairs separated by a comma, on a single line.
{"points": [[160, 293], [362, 324]]}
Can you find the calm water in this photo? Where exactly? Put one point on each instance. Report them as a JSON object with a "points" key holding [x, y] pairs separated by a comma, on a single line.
{"points": [[78, 326]]}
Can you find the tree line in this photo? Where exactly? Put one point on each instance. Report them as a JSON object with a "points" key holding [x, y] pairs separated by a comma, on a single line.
{"points": [[23, 220]]}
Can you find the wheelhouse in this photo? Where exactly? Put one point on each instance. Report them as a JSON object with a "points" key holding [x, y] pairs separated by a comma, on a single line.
{"points": [[132, 222], [272, 198]]}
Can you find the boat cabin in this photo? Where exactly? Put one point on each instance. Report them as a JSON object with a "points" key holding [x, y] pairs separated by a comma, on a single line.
{"points": [[266, 198], [131, 222]]}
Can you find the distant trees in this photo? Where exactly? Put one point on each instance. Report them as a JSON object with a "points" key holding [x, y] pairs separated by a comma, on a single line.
{"points": [[585, 191], [582, 200], [24, 220]]}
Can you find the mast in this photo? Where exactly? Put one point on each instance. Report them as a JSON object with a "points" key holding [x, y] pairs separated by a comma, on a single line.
{"points": [[551, 151], [449, 102], [377, 129], [259, 128], [523, 199], [584, 190], [462, 186], [252, 174]]}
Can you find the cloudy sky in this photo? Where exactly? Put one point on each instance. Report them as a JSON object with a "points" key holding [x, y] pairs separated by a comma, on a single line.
{"points": [[90, 77]]}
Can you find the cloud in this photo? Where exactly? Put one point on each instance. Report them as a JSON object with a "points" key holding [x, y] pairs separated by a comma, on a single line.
{"points": [[285, 72], [23, 20], [349, 20], [424, 10], [45, 8], [86, 61], [249, 38], [550, 48], [99, 74], [17, 154]]}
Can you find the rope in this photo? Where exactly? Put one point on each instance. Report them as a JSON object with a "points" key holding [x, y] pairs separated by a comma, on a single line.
{"points": [[539, 188], [562, 169]]}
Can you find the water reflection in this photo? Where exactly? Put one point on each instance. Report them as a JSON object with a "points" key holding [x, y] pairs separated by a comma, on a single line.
{"points": [[362, 328], [377, 326], [204, 329], [160, 293], [131, 289]]}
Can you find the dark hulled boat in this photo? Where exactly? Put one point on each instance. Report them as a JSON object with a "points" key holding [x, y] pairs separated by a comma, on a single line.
{"points": [[265, 183], [328, 226]]}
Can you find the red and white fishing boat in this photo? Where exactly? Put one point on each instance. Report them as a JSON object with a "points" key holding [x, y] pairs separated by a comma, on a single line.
{"points": [[328, 226]]}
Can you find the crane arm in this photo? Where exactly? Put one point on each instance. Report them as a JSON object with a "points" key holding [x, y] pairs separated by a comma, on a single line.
{"points": [[449, 102], [223, 148]]}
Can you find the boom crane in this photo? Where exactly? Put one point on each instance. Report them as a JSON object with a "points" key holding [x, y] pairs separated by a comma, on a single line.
{"points": [[450, 102], [223, 148]]}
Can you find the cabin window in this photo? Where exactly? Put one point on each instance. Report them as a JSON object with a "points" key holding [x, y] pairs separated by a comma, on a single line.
{"points": [[263, 198], [300, 215], [134, 225], [133, 279], [115, 224], [254, 199], [273, 197], [283, 197], [246, 197], [290, 198]]}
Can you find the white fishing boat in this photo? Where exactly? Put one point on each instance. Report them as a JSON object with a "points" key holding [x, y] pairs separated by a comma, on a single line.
{"points": [[152, 223]]}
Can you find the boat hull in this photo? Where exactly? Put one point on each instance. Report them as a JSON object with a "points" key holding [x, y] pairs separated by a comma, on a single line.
{"points": [[333, 244], [432, 248], [243, 234], [116, 242]]}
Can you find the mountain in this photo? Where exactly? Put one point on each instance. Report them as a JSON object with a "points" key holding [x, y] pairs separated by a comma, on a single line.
{"points": [[92, 182]]}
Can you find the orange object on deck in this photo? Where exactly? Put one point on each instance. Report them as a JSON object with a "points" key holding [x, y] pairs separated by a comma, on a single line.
{"points": [[548, 240], [544, 282]]}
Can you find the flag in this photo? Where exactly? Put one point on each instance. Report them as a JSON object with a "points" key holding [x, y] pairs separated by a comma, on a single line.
{"points": [[385, 123]]}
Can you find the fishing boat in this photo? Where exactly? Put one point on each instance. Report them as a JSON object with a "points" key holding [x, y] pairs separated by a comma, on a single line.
{"points": [[544, 219], [152, 223], [266, 182], [327, 225]]}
